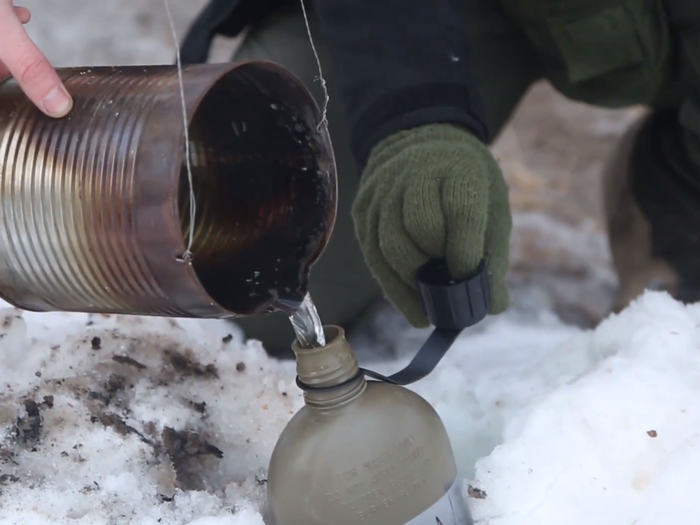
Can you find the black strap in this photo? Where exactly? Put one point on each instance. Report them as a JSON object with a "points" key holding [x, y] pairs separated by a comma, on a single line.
{"points": [[451, 306], [424, 362]]}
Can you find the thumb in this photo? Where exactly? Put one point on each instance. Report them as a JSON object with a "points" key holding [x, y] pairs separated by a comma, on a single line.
{"points": [[29, 66]]}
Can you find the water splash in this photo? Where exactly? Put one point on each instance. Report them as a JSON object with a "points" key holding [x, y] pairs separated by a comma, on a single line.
{"points": [[307, 325]]}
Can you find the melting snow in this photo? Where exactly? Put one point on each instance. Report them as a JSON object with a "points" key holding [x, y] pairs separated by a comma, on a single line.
{"points": [[109, 419]]}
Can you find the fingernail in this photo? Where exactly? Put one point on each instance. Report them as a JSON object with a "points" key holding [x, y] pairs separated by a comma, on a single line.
{"points": [[57, 103]]}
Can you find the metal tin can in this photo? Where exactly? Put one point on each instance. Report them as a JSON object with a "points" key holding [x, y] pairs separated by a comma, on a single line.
{"points": [[95, 207]]}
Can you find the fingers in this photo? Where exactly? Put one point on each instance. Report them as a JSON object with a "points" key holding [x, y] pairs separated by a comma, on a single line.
{"points": [[395, 242], [23, 15], [497, 246], [423, 216], [366, 214], [466, 208], [29, 66]]}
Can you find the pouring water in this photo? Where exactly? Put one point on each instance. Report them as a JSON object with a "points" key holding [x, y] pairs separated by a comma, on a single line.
{"points": [[307, 325]]}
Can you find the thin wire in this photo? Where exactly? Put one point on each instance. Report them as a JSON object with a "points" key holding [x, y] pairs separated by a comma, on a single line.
{"points": [[187, 256], [320, 70]]}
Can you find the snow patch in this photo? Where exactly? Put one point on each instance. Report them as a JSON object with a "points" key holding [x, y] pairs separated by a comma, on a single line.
{"points": [[159, 421], [135, 419], [615, 437]]}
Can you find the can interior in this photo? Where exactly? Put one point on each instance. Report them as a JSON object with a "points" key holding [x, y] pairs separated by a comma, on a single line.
{"points": [[264, 187]]}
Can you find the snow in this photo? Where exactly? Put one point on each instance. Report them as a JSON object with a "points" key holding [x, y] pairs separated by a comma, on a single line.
{"points": [[113, 419], [127, 32], [613, 434], [116, 435]]}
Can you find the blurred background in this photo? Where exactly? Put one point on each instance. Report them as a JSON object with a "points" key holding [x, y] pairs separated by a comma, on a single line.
{"points": [[551, 153]]}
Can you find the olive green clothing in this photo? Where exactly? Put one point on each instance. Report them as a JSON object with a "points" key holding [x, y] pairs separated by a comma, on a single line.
{"points": [[666, 157], [610, 53]]}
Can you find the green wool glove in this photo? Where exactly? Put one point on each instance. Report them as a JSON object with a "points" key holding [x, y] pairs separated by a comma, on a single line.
{"points": [[433, 191]]}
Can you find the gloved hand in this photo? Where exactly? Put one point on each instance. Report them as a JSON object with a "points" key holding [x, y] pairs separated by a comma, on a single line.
{"points": [[433, 191]]}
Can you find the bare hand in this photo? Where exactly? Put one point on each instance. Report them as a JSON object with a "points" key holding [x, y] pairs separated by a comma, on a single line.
{"points": [[22, 59]]}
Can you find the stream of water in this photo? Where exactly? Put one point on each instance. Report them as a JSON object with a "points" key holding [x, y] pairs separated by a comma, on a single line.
{"points": [[307, 325]]}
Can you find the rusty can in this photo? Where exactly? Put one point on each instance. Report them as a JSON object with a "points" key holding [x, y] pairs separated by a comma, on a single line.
{"points": [[95, 207]]}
